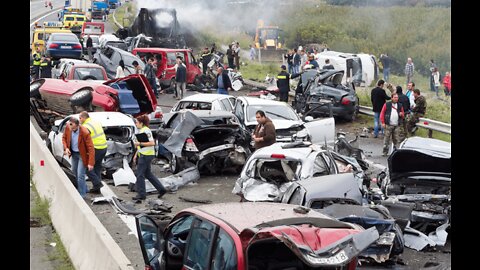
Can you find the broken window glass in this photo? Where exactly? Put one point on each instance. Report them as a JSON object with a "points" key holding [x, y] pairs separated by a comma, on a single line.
{"points": [[225, 254], [201, 238]]}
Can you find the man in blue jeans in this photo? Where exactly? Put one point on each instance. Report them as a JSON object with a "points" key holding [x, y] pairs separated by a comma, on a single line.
{"points": [[222, 82], [378, 97]]}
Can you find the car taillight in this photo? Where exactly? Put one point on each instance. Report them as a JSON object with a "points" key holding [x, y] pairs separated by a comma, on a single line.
{"points": [[345, 101], [190, 145], [277, 156], [148, 267], [159, 115], [77, 46], [53, 46]]}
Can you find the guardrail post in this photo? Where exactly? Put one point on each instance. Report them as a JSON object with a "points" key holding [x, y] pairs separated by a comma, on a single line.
{"points": [[430, 133]]}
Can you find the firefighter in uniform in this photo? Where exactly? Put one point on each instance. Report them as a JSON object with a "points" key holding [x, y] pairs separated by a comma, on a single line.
{"points": [[45, 67], [283, 83], [37, 58], [205, 58], [100, 144]]}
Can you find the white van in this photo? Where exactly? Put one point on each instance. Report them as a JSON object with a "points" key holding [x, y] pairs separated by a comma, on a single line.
{"points": [[361, 69]]}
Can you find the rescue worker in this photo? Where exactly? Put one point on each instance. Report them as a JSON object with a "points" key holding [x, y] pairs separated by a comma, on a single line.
{"points": [[100, 144], [37, 58], [205, 58], [283, 83], [45, 67]]}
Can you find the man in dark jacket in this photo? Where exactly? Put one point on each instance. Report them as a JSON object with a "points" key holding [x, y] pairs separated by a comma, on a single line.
{"points": [[378, 97], [328, 65], [205, 58], [417, 111], [89, 46], [283, 83], [230, 56], [180, 78], [392, 118], [45, 67], [151, 74], [404, 100], [264, 133], [296, 61], [222, 82]]}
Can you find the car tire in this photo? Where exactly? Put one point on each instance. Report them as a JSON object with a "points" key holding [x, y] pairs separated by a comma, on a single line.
{"points": [[174, 164], [82, 97], [35, 88]]}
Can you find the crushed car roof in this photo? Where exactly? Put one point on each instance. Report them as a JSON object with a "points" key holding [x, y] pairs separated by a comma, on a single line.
{"points": [[204, 97], [276, 148], [245, 215]]}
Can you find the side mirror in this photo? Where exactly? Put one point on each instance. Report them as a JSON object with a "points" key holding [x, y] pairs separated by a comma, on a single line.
{"points": [[308, 118]]}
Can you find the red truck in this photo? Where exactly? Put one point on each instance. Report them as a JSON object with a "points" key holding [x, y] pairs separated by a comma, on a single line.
{"points": [[92, 28], [166, 58]]}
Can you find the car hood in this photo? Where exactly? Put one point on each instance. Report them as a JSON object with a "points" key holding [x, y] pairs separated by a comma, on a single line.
{"points": [[318, 247]]}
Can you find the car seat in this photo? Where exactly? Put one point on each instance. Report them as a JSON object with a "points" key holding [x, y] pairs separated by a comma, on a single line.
{"points": [[128, 104]]}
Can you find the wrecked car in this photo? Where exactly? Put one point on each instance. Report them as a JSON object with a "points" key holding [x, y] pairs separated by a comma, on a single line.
{"points": [[323, 90], [50, 98], [109, 57], [419, 173], [270, 170], [213, 102], [274, 236], [119, 130], [289, 127], [338, 196], [211, 140]]}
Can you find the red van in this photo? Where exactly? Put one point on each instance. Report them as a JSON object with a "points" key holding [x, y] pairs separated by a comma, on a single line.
{"points": [[93, 28], [166, 58]]}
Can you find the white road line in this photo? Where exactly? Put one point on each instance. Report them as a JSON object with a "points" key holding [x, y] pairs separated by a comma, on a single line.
{"points": [[44, 16]]}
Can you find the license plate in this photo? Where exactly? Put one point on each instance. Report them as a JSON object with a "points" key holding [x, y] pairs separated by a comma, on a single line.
{"points": [[324, 100], [65, 47]]}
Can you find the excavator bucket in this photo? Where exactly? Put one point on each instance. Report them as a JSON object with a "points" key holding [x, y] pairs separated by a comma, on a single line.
{"points": [[271, 55]]}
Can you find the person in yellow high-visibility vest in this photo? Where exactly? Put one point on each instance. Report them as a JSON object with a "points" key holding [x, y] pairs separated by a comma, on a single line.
{"points": [[143, 157], [37, 59], [100, 144]]}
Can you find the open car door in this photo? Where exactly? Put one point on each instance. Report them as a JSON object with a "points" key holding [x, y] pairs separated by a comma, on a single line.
{"points": [[151, 241], [321, 131]]}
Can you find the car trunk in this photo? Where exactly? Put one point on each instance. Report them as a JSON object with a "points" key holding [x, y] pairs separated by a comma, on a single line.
{"points": [[135, 96], [307, 247], [209, 136], [119, 146], [325, 92]]}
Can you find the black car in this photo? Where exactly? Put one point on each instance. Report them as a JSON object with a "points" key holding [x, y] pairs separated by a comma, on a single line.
{"points": [[109, 57], [211, 140], [321, 91]]}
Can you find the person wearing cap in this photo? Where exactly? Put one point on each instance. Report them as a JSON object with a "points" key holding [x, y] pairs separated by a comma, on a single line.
{"points": [[283, 83]]}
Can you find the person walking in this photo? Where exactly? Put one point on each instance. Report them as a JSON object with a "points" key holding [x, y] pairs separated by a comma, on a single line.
{"points": [[222, 82], [143, 158], [230, 56], [405, 101], [436, 81], [78, 145], [391, 116], [151, 74], [89, 48], [328, 65], [120, 70], [432, 68], [180, 79], [297, 60], [378, 98], [385, 60], [237, 55], [283, 83], [45, 67], [100, 145], [417, 112], [137, 68], [409, 70], [264, 133]]}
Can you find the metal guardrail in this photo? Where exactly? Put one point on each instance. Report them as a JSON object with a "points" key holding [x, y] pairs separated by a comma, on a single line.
{"points": [[426, 123]]}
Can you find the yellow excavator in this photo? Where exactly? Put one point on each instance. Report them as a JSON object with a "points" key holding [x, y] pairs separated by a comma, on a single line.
{"points": [[269, 40]]}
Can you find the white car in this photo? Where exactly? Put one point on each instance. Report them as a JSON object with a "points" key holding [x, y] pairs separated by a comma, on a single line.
{"points": [[270, 170], [289, 126], [210, 102], [119, 130]]}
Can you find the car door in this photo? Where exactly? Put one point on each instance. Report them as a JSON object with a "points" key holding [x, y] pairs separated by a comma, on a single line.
{"points": [[321, 131], [57, 145], [151, 241], [239, 112], [198, 253]]}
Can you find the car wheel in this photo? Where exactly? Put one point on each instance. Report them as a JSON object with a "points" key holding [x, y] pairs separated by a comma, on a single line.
{"points": [[81, 97], [35, 88], [174, 164]]}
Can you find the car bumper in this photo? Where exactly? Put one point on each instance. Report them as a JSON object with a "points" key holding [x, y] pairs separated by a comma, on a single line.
{"points": [[342, 111], [64, 53]]}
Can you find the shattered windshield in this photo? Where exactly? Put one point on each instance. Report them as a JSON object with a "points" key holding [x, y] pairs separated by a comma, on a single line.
{"points": [[278, 112], [276, 171]]}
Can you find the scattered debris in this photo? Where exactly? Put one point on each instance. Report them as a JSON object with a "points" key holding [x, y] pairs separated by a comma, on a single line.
{"points": [[124, 176], [160, 205], [53, 244], [99, 199], [416, 240], [301, 210], [194, 200], [35, 222]]}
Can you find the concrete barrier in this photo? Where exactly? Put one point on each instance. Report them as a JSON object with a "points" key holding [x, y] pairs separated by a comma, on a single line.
{"points": [[86, 240]]}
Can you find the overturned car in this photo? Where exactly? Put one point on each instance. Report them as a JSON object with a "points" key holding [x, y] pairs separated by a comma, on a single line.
{"points": [[50, 98], [419, 173], [211, 140]]}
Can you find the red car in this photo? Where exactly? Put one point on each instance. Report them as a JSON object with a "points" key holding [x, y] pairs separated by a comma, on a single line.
{"points": [[248, 235], [130, 95]]}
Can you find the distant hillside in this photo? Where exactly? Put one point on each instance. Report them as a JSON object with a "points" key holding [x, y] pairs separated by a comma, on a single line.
{"points": [[390, 3]]}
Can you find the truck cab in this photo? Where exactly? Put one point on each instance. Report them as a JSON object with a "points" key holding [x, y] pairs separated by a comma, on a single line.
{"points": [[165, 60]]}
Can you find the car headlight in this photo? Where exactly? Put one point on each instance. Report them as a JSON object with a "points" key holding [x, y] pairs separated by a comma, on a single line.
{"points": [[302, 133]]}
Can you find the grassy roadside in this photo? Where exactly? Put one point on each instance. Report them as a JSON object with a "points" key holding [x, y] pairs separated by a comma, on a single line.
{"points": [[57, 254]]}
